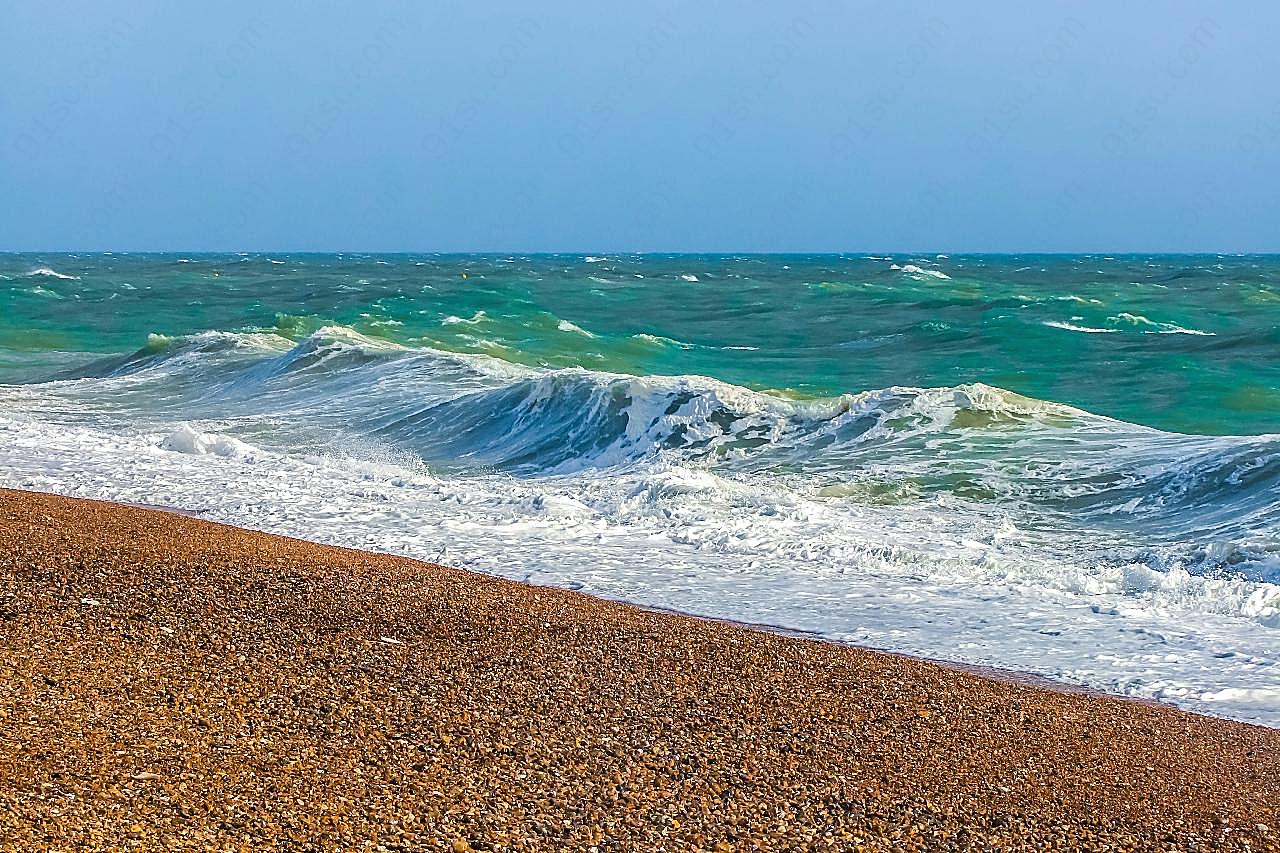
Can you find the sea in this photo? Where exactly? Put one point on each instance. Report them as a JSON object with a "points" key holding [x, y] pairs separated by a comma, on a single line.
{"points": [[1065, 465]]}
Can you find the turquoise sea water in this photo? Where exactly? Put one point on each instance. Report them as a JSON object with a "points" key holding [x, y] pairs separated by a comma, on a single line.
{"points": [[1184, 343], [1065, 464]]}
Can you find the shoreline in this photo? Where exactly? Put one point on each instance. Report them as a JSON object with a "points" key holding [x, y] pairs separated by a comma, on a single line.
{"points": [[177, 683], [996, 673]]}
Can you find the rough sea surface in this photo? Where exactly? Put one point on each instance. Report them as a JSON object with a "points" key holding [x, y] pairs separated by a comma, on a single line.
{"points": [[1058, 464]]}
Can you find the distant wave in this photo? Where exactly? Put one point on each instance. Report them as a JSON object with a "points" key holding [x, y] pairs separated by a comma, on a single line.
{"points": [[45, 271], [1152, 327], [453, 320], [566, 326], [912, 269], [661, 340], [1071, 327]]}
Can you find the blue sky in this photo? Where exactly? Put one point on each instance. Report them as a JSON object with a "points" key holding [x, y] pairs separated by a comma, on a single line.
{"points": [[710, 126]]}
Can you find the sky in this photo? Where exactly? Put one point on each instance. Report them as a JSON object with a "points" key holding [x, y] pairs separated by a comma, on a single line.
{"points": [[711, 126]]}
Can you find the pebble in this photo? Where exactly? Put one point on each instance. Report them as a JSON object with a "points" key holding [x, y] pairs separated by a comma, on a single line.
{"points": [[282, 718]]}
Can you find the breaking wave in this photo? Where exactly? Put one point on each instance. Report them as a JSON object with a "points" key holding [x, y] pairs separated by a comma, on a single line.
{"points": [[821, 512], [48, 273], [978, 445]]}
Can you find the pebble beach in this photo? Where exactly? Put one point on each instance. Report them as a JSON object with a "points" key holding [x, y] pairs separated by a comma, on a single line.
{"points": [[167, 683]]}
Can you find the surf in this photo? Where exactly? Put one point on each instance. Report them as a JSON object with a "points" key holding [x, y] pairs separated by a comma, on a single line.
{"points": [[742, 456]]}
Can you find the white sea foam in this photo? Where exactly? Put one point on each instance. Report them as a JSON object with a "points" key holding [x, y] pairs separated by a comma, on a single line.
{"points": [[661, 339], [688, 277], [566, 326], [912, 269], [1173, 329], [1071, 327], [1153, 327], [453, 320], [187, 439], [915, 270], [48, 273]]}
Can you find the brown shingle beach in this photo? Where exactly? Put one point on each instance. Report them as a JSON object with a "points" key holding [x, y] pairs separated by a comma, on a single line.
{"points": [[172, 684]]}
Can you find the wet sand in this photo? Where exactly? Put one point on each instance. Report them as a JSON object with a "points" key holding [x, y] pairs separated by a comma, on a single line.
{"points": [[170, 683]]}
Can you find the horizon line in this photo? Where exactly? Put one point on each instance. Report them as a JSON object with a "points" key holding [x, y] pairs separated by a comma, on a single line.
{"points": [[652, 252]]}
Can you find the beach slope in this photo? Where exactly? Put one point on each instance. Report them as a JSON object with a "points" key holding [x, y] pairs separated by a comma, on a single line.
{"points": [[169, 683]]}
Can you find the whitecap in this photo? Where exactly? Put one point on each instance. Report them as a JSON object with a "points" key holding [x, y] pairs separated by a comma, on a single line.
{"points": [[45, 271], [661, 340], [1172, 329], [912, 269], [453, 319], [1132, 319], [1154, 327], [566, 326], [1071, 327], [688, 277]]}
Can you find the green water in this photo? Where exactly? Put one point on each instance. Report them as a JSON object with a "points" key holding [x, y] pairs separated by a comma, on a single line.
{"points": [[1184, 343]]}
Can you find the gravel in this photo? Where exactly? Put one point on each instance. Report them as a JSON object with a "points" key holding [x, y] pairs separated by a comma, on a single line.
{"points": [[172, 684]]}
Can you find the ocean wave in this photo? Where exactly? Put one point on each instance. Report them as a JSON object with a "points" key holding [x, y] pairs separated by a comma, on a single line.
{"points": [[573, 419], [48, 273], [661, 340], [454, 320], [974, 444], [1071, 327], [1153, 327], [913, 270], [566, 326]]}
